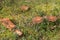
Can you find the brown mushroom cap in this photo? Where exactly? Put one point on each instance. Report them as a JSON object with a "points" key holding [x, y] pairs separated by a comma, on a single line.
{"points": [[37, 19], [24, 8], [7, 23], [52, 18], [18, 32]]}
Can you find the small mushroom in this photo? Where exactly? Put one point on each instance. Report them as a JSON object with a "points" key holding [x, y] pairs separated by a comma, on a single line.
{"points": [[24, 8], [18, 32], [37, 20], [7, 23], [52, 18]]}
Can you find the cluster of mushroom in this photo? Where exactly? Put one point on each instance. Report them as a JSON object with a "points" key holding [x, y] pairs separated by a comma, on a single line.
{"points": [[36, 20], [11, 26], [39, 19]]}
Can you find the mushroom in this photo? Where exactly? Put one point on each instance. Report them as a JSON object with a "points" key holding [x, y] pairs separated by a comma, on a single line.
{"points": [[51, 18], [37, 20], [24, 7]]}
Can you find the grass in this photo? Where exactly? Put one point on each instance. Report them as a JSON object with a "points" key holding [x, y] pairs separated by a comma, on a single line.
{"points": [[11, 9]]}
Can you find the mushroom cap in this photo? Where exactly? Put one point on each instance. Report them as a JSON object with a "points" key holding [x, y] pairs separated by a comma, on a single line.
{"points": [[52, 18], [24, 8], [18, 32], [7, 23], [37, 19]]}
